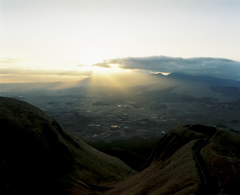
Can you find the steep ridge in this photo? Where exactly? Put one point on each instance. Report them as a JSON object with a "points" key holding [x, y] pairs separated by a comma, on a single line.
{"points": [[191, 159], [37, 156]]}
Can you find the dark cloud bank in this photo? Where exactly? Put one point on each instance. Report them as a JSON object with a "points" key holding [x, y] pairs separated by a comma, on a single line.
{"points": [[217, 67]]}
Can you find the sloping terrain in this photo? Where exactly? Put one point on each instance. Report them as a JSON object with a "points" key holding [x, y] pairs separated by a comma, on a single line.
{"points": [[191, 159], [37, 156]]}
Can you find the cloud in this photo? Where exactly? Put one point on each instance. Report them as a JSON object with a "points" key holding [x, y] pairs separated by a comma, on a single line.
{"points": [[28, 72], [218, 67], [8, 60], [104, 64], [19, 75]]}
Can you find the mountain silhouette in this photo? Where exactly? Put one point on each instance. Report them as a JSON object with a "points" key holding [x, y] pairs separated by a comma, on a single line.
{"points": [[204, 79]]}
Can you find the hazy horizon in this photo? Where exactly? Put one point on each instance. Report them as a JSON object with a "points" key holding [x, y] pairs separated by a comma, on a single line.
{"points": [[67, 41]]}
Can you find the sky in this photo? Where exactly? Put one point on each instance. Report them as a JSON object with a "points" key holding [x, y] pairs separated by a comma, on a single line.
{"points": [[61, 40]]}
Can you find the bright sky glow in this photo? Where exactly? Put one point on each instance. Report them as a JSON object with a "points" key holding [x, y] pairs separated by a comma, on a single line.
{"points": [[60, 35]]}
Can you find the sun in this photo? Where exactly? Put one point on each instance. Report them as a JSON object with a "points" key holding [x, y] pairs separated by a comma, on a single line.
{"points": [[99, 69], [103, 73], [90, 60]]}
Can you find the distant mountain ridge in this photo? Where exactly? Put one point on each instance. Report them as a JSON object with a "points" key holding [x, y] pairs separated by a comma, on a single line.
{"points": [[197, 86], [202, 78]]}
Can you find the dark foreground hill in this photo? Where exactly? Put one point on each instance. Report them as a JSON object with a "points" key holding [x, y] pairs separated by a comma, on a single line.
{"points": [[37, 156]]}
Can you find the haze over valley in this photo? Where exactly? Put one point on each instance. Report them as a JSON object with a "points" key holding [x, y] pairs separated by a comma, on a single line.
{"points": [[95, 111]]}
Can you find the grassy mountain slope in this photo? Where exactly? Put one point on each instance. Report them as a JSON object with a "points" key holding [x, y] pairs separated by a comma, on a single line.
{"points": [[189, 160], [37, 156]]}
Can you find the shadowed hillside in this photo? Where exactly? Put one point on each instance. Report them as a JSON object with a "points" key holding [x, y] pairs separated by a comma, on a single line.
{"points": [[37, 156]]}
